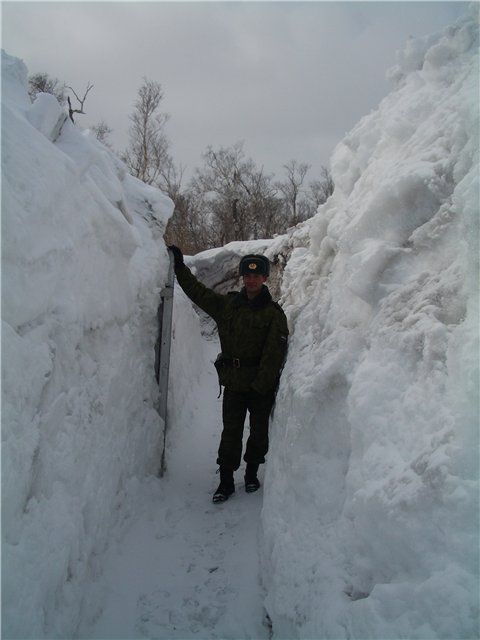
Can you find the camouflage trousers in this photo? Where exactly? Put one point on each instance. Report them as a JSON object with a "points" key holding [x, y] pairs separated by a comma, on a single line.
{"points": [[234, 411]]}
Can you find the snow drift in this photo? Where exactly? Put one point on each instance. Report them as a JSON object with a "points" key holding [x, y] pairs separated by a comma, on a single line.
{"points": [[83, 259], [370, 509]]}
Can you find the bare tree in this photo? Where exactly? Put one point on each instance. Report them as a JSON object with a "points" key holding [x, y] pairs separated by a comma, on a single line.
{"points": [[184, 227], [231, 198], [147, 152], [238, 196], [170, 178], [102, 132], [320, 190], [291, 188], [189, 227], [81, 101], [217, 187], [43, 83]]}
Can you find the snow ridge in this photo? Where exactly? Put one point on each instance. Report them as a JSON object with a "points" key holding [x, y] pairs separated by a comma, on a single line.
{"points": [[82, 268], [370, 510]]}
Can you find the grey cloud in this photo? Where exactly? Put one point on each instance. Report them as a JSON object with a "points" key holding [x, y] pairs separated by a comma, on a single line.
{"points": [[289, 78]]}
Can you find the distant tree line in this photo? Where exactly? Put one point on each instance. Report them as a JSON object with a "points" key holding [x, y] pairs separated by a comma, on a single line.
{"points": [[229, 197]]}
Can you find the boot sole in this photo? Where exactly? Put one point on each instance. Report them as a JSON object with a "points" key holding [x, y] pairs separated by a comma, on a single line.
{"points": [[221, 497]]}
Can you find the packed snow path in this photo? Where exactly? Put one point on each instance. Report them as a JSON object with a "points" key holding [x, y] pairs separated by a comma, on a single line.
{"points": [[186, 568]]}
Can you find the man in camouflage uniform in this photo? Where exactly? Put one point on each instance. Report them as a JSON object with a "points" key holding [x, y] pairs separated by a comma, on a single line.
{"points": [[253, 336]]}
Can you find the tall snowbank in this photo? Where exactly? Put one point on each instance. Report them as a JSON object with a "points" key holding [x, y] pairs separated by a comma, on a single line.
{"points": [[370, 512], [83, 263]]}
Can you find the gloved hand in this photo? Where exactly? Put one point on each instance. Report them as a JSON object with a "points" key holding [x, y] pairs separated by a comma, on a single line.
{"points": [[177, 256]]}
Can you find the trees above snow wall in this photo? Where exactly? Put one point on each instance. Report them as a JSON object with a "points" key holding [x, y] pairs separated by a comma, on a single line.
{"points": [[371, 491], [81, 273]]}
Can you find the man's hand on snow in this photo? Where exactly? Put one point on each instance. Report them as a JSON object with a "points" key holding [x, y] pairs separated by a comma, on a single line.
{"points": [[177, 256]]}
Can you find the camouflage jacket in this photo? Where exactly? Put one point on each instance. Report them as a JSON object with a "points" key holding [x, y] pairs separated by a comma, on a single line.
{"points": [[253, 334]]}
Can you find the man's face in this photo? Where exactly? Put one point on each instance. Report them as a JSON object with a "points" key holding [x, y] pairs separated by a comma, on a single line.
{"points": [[253, 283]]}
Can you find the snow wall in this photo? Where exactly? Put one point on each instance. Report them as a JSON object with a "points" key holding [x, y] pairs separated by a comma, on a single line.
{"points": [[83, 264], [370, 509]]}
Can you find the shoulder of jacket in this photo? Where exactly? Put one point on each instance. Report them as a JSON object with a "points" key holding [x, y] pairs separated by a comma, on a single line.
{"points": [[280, 316], [278, 307]]}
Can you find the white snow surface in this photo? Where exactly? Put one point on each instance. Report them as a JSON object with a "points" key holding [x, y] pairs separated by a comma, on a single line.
{"points": [[185, 568], [369, 525], [81, 258], [370, 522]]}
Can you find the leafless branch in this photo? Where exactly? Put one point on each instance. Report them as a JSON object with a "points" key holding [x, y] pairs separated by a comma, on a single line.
{"points": [[80, 100]]}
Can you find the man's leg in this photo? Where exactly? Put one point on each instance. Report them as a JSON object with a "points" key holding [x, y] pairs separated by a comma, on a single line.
{"points": [[234, 411], [260, 408]]}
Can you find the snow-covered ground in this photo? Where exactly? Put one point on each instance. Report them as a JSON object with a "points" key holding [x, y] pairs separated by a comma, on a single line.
{"points": [[186, 568], [369, 525]]}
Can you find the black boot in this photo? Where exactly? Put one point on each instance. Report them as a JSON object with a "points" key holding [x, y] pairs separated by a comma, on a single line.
{"points": [[251, 481], [226, 486]]}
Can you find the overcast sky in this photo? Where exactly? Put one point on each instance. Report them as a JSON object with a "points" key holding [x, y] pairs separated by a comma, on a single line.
{"points": [[288, 78]]}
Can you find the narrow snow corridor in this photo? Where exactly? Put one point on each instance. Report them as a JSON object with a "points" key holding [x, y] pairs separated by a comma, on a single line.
{"points": [[366, 525], [185, 567]]}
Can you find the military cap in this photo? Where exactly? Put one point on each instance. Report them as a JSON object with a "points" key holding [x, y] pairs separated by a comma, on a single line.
{"points": [[254, 263]]}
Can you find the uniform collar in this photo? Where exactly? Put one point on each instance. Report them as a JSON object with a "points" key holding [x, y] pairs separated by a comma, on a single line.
{"points": [[258, 302]]}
